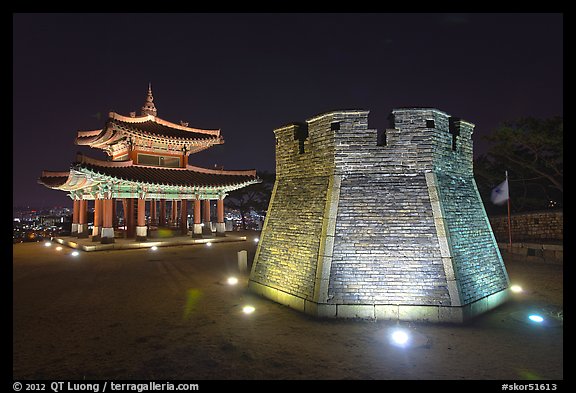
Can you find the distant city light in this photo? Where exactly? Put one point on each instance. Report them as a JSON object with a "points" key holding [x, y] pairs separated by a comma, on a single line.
{"points": [[232, 281], [536, 318], [248, 309], [516, 288]]}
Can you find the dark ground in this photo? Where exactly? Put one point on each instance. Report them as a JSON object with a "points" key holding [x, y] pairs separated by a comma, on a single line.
{"points": [[168, 315]]}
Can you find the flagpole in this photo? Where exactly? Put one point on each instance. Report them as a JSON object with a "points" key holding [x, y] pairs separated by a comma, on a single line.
{"points": [[509, 220]]}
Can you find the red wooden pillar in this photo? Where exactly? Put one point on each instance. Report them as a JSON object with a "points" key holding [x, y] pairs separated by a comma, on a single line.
{"points": [[174, 213], [83, 218], [125, 210], [207, 228], [141, 229], [153, 212], [107, 234], [184, 217], [114, 213], [97, 220], [162, 218], [75, 210], [220, 225], [197, 232]]}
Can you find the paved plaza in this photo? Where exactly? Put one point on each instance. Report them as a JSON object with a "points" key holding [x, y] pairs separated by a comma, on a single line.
{"points": [[170, 314]]}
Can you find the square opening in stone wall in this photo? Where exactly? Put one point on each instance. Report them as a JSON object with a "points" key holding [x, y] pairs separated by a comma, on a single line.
{"points": [[381, 138], [430, 124], [454, 129], [335, 126]]}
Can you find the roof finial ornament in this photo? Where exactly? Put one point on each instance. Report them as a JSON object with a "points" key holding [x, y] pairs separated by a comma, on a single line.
{"points": [[149, 108]]}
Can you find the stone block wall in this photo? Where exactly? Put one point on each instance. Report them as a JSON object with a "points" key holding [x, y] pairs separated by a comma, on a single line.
{"points": [[361, 228], [477, 260], [540, 226], [293, 236], [385, 249]]}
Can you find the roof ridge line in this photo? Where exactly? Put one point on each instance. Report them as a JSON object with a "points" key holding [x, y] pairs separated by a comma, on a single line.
{"points": [[158, 120], [82, 159], [250, 172]]}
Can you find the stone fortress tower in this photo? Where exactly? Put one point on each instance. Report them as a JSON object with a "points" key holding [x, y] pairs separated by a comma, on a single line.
{"points": [[385, 225]]}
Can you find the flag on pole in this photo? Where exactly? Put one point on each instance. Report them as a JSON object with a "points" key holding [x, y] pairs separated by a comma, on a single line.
{"points": [[500, 193]]}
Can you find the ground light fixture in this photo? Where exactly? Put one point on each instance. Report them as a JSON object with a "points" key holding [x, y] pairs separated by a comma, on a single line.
{"points": [[399, 338], [402, 337], [75, 253], [154, 248], [256, 240], [516, 289], [47, 244], [232, 281], [208, 244], [59, 248], [248, 309], [536, 318]]}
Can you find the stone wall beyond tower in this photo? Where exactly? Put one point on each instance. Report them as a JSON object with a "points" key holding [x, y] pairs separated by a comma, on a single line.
{"points": [[378, 225]]}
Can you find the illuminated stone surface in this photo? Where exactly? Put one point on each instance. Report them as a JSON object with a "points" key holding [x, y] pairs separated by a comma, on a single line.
{"points": [[361, 229]]}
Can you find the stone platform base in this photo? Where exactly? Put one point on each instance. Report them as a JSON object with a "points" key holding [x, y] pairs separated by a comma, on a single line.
{"points": [[439, 314], [124, 244]]}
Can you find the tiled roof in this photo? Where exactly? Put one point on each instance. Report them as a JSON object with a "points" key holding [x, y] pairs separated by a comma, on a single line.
{"points": [[52, 181], [172, 176], [153, 128]]}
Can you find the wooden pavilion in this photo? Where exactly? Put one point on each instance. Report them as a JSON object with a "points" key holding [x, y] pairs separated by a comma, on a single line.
{"points": [[147, 167]]}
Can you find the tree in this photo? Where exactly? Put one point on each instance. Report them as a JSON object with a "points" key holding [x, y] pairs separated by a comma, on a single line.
{"points": [[253, 197], [531, 151]]}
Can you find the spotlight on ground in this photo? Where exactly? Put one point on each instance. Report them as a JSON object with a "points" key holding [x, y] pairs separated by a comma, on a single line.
{"points": [[536, 318], [516, 289], [232, 281], [542, 319], [47, 244], [400, 338], [248, 309], [59, 248]]}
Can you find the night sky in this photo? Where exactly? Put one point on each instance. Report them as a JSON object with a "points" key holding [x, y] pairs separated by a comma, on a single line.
{"points": [[250, 73]]}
